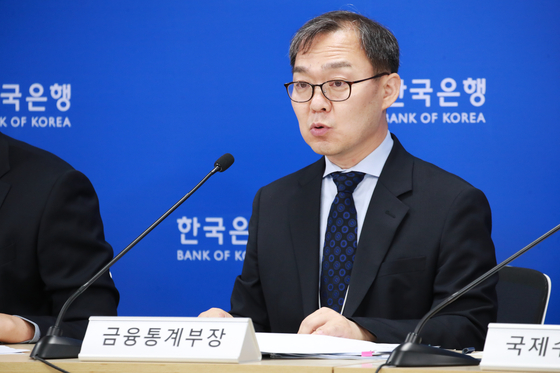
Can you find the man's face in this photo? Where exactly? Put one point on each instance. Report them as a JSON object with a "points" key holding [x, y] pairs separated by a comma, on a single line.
{"points": [[346, 132]]}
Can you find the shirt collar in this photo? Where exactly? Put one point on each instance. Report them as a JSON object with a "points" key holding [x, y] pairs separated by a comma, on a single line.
{"points": [[370, 165]]}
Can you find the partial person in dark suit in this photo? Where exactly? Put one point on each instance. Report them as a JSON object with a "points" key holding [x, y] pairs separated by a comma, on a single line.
{"points": [[422, 233], [51, 242]]}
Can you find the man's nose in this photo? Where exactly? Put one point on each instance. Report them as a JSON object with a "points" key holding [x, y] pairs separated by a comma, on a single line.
{"points": [[319, 102]]}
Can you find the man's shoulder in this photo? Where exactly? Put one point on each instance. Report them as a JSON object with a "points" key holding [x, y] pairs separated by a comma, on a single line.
{"points": [[299, 177], [441, 180], [429, 172], [22, 155], [403, 165], [439, 187]]}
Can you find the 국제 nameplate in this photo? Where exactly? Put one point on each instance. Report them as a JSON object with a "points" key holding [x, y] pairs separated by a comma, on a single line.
{"points": [[523, 347]]}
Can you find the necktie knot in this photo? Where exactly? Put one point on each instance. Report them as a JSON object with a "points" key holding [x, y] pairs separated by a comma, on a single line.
{"points": [[347, 182]]}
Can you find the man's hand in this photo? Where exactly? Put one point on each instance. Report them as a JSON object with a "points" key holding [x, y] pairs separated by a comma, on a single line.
{"points": [[325, 321], [215, 312], [14, 329]]}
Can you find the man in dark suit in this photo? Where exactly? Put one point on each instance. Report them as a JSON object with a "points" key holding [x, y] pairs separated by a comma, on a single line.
{"points": [[51, 242], [401, 234]]}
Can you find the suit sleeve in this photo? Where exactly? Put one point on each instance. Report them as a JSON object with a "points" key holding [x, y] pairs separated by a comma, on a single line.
{"points": [[71, 248], [465, 252], [247, 298]]}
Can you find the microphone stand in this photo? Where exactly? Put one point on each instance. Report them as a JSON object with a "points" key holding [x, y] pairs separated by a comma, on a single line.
{"points": [[54, 345], [413, 354]]}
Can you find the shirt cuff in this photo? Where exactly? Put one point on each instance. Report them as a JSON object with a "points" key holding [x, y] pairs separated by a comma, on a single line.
{"points": [[37, 334]]}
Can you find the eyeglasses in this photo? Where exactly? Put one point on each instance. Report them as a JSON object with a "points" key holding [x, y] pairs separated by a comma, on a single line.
{"points": [[333, 90]]}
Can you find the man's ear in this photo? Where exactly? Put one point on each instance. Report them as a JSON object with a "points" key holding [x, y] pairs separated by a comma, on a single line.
{"points": [[392, 86]]}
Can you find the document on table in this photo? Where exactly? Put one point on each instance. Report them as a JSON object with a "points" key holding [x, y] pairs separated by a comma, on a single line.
{"points": [[5, 350], [319, 346]]}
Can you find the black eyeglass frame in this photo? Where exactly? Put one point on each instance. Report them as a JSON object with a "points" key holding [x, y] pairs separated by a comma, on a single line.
{"points": [[287, 85]]}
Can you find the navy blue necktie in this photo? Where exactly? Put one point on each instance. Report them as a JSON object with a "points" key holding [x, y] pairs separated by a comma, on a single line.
{"points": [[341, 241]]}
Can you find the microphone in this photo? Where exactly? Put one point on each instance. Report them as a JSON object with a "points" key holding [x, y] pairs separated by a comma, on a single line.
{"points": [[224, 162], [54, 345], [413, 354]]}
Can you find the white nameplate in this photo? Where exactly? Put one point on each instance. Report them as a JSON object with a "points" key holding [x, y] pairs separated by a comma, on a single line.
{"points": [[522, 347], [188, 339]]}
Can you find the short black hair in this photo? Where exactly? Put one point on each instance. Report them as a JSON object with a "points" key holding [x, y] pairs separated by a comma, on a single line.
{"points": [[380, 45]]}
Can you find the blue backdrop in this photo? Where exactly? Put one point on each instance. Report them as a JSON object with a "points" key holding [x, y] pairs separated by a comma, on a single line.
{"points": [[143, 97]]}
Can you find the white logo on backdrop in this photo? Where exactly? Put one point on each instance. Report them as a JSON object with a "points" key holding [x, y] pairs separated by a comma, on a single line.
{"points": [[194, 233], [36, 99], [448, 97]]}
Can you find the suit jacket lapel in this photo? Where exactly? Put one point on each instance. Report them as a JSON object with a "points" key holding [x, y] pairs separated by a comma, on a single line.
{"points": [[4, 168], [385, 213], [304, 212]]}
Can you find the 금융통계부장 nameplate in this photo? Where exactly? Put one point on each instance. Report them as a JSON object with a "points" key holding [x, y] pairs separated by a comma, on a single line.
{"points": [[188, 339]]}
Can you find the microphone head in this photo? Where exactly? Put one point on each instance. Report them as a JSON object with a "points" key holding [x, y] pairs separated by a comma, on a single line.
{"points": [[224, 162]]}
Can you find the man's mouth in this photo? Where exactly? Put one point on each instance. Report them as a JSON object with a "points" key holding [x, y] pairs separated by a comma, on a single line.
{"points": [[318, 129]]}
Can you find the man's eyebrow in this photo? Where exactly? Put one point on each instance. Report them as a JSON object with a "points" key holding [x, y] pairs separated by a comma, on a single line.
{"points": [[336, 65], [327, 66]]}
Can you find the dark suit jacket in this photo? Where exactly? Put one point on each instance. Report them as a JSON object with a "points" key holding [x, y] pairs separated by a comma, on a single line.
{"points": [[426, 235], [51, 240]]}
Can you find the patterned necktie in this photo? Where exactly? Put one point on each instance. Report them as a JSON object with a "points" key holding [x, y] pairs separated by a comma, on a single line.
{"points": [[341, 241]]}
